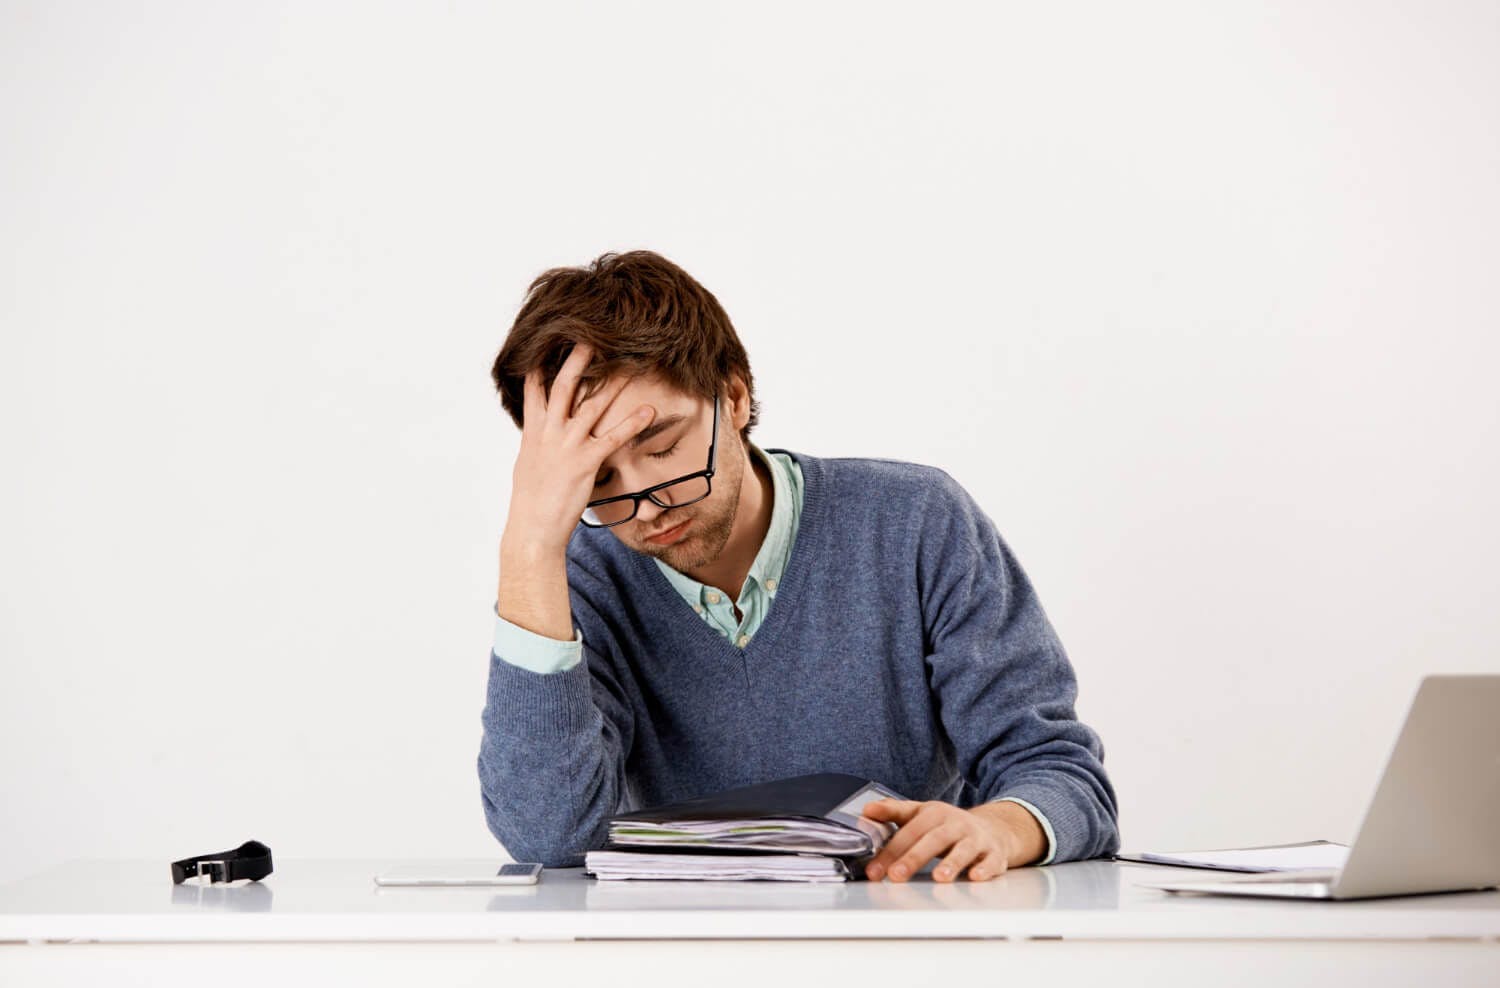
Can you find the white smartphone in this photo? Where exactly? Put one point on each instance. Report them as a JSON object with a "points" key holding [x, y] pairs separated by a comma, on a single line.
{"points": [[461, 873]]}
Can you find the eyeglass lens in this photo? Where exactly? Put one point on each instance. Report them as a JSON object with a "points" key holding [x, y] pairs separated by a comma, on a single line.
{"points": [[674, 495]]}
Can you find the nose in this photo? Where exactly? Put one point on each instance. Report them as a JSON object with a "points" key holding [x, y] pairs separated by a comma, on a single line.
{"points": [[647, 514]]}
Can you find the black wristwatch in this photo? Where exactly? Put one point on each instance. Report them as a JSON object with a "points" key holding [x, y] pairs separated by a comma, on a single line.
{"points": [[251, 860]]}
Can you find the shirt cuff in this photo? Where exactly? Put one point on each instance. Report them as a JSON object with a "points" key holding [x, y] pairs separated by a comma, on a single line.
{"points": [[534, 652], [1040, 818]]}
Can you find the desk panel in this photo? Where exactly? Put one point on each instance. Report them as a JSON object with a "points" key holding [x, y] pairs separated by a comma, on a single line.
{"points": [[758, 964]]}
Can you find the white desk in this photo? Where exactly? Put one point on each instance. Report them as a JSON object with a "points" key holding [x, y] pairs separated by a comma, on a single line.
{"points": [[1011, 922], [324, 900]]}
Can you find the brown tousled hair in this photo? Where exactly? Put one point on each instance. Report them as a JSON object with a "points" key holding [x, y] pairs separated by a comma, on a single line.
{"points": [[640, 312]]}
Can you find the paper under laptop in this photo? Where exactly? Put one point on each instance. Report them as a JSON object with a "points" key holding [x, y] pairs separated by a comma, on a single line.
{"points": [[1313, 854]]}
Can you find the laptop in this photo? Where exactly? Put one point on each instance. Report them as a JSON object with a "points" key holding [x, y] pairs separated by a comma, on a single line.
{"points": [[1434, 824]]}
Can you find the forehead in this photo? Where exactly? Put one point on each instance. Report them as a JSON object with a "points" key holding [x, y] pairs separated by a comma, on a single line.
{"points": [[649, 387], [645, 389]]}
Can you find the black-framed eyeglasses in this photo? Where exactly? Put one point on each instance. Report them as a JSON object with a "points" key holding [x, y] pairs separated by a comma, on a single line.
{"points": [[610, 511]]}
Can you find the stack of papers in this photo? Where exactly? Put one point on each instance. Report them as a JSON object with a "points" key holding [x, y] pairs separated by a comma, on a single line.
{"points": [[809, 828], [724, 867]]}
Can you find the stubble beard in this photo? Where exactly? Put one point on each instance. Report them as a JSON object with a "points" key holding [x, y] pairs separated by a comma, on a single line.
{"points": [[704, 545]]}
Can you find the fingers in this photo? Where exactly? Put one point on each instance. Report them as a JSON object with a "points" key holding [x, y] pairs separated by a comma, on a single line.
{"points": [[591, 410], [533, 398], [622, 432], [892, 810], [565, 385], [989, 866], [932, 843], [963, 854], [916, 827], [930, 830]]}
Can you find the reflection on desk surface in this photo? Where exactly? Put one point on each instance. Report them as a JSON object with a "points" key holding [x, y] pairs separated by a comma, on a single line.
{"points": [[329, 886], [1073, 885]]}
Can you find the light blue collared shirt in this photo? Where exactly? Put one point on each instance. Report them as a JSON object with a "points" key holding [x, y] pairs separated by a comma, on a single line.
{"points": [[759, 590]]}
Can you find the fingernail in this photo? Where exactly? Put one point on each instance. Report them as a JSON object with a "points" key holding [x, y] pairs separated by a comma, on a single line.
{"points": [[943, 873], [898, 872], [874, 871]]}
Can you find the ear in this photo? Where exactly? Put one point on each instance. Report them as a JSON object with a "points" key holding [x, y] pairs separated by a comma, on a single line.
{"points": [[736, 402]]}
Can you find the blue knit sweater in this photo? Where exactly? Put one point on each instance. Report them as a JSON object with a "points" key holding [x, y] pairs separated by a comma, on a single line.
{"points": [[944, 680]]}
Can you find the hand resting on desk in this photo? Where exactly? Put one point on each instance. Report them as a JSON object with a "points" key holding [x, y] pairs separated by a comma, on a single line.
{"points": [[987, 839]]}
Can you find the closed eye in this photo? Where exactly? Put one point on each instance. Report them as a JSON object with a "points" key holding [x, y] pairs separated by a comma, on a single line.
{"points": [[600, 482]]}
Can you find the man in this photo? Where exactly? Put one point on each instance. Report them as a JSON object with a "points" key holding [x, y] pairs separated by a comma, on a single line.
{"points": [[681, 612]]}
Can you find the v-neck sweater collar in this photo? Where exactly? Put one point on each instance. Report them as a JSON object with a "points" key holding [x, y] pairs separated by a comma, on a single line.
{"points": [[808, 544]]}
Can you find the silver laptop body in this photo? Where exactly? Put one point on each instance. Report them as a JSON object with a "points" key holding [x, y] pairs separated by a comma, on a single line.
{"points": [[1432, 826]]}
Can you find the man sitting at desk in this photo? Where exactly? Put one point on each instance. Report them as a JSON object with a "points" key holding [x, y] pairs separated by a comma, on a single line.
{"points": [[682, 612]]}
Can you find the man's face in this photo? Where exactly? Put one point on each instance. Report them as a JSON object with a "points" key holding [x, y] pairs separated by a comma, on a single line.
{"points": [[675, 443]]}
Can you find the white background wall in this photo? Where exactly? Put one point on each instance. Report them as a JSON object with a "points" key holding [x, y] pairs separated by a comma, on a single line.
{"points": [[1199, 300]]}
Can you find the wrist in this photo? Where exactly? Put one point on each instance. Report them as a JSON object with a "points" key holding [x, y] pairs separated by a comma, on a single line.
{"points": [[531, 551]]}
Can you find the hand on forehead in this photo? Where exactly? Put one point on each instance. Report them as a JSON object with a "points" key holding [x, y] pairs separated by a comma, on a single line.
{"points": [[636, 391]]}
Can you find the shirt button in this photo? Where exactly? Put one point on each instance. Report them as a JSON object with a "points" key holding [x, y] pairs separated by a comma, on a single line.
{"points": [[713, 598], [744, 640], [697, 609], [770, 584]]}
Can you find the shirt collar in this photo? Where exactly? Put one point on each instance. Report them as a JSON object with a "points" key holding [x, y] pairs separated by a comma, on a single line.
{"points": [[770, 561]]}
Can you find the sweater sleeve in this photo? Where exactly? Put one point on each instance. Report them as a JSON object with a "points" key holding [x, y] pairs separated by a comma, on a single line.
{"points": [[552, 756], [1003, 682]]}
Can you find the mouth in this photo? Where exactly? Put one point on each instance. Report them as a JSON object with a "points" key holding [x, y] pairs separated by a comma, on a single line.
{"points": [[670, 535]]}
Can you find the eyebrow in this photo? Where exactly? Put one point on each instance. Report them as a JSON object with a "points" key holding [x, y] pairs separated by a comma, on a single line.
{"points": [[655, 428]]}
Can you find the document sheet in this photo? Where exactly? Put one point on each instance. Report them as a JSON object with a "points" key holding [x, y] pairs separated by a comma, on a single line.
{"points": [[1317, 854]]}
